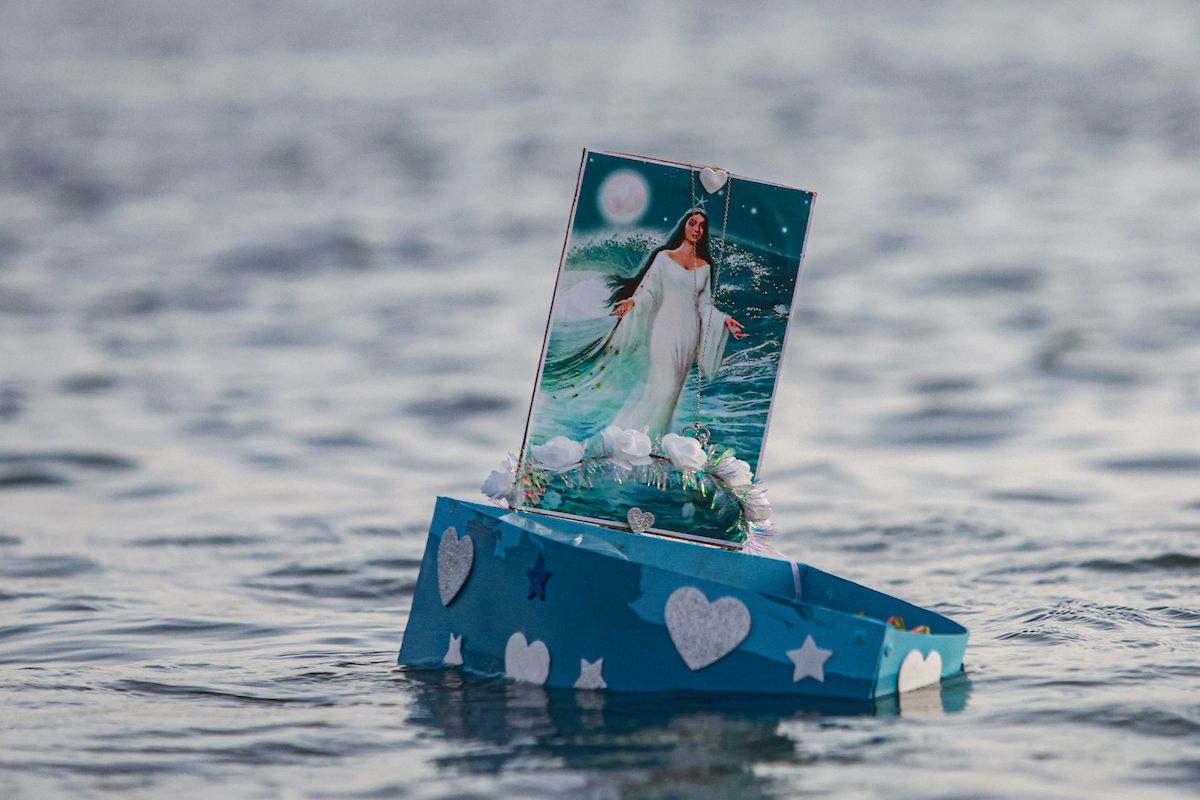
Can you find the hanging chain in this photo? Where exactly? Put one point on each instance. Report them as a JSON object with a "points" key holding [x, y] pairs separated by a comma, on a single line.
{"points": [[697, 429]]}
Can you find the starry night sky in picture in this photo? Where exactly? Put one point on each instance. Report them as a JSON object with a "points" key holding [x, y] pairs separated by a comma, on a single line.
{"points": [[762, 214], [597, 373]]}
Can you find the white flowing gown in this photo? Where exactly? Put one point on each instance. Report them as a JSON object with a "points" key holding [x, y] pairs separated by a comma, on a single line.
{"points": [[673, 306]]}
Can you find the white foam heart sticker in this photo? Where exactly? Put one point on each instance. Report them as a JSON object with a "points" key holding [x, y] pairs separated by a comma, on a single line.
{"points": [[527, 662], [917, 670], [705, 632], [713, 179], [454, 559]]}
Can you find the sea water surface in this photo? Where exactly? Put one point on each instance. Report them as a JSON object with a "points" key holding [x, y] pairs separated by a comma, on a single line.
{"points": [[274, 276]]}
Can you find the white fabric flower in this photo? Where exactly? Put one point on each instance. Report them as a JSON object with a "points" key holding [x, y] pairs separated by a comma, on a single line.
{"points": [[558, 454], [685, 453], [755, 506], [501, 486], [627, 448], [733, 472]]}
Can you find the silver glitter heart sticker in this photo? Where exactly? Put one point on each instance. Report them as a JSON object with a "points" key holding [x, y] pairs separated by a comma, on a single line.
{"points": [[454, 560], [705, 632], [639, 521]]}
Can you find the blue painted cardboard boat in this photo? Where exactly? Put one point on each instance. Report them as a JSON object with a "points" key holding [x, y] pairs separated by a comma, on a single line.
{"points": [[568, 604]]}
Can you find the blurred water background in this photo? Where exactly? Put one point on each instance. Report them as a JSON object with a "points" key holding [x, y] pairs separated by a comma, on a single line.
{"points": [[274, 275]]}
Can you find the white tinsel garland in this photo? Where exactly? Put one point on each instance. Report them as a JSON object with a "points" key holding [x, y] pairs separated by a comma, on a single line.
{"points": [[669, 462]]}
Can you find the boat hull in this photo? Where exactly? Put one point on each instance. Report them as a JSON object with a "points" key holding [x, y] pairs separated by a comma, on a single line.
{"points": [[566, 604]]}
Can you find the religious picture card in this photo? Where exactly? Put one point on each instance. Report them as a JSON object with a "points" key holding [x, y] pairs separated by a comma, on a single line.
{"points": [[663, 347]]}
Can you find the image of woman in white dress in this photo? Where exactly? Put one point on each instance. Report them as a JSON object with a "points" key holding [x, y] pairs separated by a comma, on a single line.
{"points": [[666, 323]]}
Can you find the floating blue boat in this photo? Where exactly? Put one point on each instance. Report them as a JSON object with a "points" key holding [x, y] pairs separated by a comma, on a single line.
{"points": [[627, 550], [560, 603]]}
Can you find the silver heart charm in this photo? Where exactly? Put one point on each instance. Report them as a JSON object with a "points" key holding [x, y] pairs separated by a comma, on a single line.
{"points": [[639, 521], [705, 632], [454, 559], [713, 179]]}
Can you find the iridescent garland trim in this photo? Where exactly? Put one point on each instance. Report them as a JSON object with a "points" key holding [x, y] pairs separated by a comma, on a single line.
{"points": [[529, 484]]}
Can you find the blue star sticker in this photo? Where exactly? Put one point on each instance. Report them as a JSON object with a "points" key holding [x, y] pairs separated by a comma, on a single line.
{"points": [[538, 576]]}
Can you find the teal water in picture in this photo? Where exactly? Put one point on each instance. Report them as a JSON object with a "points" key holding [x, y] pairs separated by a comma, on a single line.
{"points": [[734, 405]]}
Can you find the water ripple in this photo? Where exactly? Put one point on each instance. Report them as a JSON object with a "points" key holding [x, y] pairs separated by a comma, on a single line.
{"points": [[1165, 463], [56, 566], [383, 580], [308, 253], [206, 629], [157, 689], [1165, 561], [200, 540], [103, 462], [961, 426], [458, 407], [1034, 496]]}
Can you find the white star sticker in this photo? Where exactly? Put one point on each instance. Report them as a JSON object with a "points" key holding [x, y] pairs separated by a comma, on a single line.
{"points": [[589, 674], [453, 656], [809, 660]]}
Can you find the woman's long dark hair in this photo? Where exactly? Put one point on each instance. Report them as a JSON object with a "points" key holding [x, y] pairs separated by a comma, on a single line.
{"points": [[623, 288], [566, 370]]}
